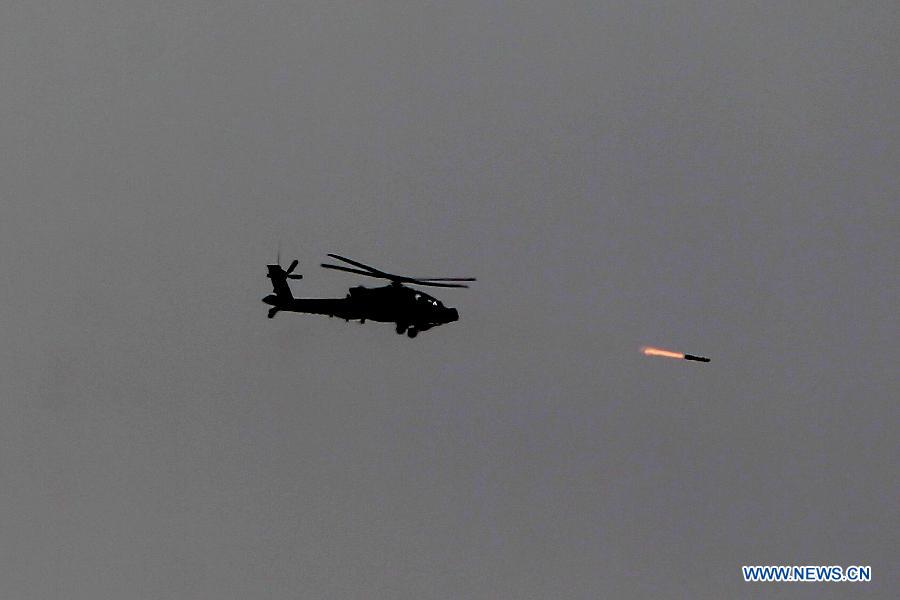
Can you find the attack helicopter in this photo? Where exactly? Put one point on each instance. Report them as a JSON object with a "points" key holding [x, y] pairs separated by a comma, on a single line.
{"points": [[412, 310]]}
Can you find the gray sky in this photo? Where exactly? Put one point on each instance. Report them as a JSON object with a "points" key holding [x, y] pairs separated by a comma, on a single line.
{"points": [[719, 178]]}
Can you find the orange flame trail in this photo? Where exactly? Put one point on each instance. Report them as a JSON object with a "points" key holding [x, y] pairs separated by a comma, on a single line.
{"points": [[651, 351]]}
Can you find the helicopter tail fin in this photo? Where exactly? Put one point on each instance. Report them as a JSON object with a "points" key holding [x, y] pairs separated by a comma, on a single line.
{"points": [[280, 285]]}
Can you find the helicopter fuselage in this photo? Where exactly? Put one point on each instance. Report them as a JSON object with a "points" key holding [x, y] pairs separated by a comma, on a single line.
{"points": [[411, 310]]}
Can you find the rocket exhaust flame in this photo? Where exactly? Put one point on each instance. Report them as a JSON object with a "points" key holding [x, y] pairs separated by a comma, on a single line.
{"points": [[651, 351]]}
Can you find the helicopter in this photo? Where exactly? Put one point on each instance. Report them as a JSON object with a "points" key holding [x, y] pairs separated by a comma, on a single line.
{"points": [[412, 310]]}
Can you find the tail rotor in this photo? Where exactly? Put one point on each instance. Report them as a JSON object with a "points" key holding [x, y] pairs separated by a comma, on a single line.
{"points": [[282, 296], [291, 268]]}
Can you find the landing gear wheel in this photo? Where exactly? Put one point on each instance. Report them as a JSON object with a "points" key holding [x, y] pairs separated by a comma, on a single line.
{"points": [[412, 332], [401, 328], [272, 312]]}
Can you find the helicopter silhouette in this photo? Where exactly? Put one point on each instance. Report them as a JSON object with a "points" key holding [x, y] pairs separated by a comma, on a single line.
{"points": [[410, 309]]}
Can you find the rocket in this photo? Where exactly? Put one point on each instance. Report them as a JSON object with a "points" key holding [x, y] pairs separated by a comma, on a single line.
{"points": [[697, 358], [651, 351]]}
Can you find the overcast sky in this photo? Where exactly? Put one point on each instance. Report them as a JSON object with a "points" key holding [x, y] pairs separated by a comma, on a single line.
{"points": [[718, 178]]}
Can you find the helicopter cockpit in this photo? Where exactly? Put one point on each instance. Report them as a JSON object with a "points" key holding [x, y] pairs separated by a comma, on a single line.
{"points": [[426, 299]]}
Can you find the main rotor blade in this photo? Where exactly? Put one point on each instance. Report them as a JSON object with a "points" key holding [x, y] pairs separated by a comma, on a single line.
{"points": [[432, 284], [349, 270], [444, 278], [358, 264], [373, 272], [293, 266]]}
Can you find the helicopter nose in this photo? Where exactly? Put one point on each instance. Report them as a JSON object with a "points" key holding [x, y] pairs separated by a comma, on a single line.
{"points": [[452, 315]]}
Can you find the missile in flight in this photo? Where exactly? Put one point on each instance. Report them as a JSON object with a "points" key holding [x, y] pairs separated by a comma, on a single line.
{"points": [[651, 351], [697, 358]]}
